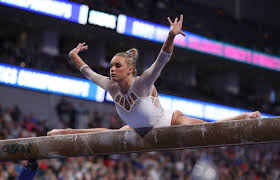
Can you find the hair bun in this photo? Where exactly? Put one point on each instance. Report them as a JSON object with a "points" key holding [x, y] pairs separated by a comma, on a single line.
{"points": [[132, 53]]}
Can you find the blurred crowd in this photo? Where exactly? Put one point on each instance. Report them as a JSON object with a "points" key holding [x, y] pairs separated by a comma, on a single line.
{"points": [[73, 115], [254, 162]]}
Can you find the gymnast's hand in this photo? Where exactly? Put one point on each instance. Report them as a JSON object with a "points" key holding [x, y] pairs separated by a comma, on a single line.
{"points": [[59, 132], [176, 26], [80, 47]]}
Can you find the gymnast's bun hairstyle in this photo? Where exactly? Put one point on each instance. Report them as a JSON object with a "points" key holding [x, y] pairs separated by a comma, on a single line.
{"points": [[130, 56], [133, 53]]}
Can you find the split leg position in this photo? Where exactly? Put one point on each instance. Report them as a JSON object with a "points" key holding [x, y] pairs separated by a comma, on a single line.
{"points": [[178, 118]]}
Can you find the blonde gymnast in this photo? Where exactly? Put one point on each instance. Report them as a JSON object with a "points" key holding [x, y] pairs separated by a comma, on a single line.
{"points": [[135, 97]]}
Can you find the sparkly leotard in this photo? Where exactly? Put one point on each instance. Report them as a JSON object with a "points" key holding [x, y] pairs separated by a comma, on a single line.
{"points": [[138, 108], [141, 111]]}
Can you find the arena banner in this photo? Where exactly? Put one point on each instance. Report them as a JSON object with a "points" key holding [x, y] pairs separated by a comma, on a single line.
{"points": [[158, 33], [102, 19], [50, 83], [61, 9]]}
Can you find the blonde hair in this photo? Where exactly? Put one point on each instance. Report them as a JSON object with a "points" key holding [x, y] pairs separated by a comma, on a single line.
{"points": [[130, 56]]}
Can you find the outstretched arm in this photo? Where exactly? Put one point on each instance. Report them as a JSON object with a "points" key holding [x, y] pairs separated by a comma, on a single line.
{"points": [[100, 80], [73, 54], [151, 74]]}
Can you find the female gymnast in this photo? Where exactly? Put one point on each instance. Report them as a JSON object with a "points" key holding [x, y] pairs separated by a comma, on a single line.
{"points": [[135, 97]]}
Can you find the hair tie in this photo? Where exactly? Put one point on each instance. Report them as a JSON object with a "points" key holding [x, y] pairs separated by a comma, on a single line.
{"points": [[131, 52]]}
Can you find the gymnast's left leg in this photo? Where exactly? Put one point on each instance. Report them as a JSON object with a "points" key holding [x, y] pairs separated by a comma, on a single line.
{"points": [[178, 118]]}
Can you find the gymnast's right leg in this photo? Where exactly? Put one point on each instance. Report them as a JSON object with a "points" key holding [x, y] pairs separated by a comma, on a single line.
{"points": [[178, 118]]}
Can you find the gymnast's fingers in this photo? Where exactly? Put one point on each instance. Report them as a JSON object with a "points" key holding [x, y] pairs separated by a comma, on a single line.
{"points": [[83, 48], [176, 20], [181, 19], [169, 20], [80, 45]]}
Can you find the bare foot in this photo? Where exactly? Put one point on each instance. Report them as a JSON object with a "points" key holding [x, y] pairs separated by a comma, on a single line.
{"points": [[59, 132], [252, 115]]}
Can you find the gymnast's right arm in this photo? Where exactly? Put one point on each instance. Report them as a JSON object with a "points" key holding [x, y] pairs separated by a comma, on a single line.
{"points": [[100, 80]]}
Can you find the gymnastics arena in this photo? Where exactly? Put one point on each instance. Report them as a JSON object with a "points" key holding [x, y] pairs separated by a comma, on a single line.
{"points": [[58, 121]]}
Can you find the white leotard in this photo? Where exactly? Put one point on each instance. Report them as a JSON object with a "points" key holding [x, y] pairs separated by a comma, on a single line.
{"points": [[143, 111], [138, 108]]}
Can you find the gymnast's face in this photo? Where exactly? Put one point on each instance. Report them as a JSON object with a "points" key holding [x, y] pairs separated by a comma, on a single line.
{"points": [[120, 69]]}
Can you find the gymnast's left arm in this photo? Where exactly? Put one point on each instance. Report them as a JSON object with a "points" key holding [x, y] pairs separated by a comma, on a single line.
{"points": [[152, 73]]}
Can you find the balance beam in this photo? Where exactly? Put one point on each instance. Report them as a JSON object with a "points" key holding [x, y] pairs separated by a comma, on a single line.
{"points": [[255, 131]]}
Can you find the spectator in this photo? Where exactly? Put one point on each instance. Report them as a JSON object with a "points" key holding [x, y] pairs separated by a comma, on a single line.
{"points": [[15, 113], [28, 171], [66, 113], [82, 119], [115, 122]]}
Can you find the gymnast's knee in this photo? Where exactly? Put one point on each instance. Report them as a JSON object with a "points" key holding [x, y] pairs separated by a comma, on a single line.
{"points": [[176, 115]]}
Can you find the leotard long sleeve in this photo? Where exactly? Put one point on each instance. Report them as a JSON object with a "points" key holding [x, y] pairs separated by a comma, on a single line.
{"points": [[137, 107]]}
